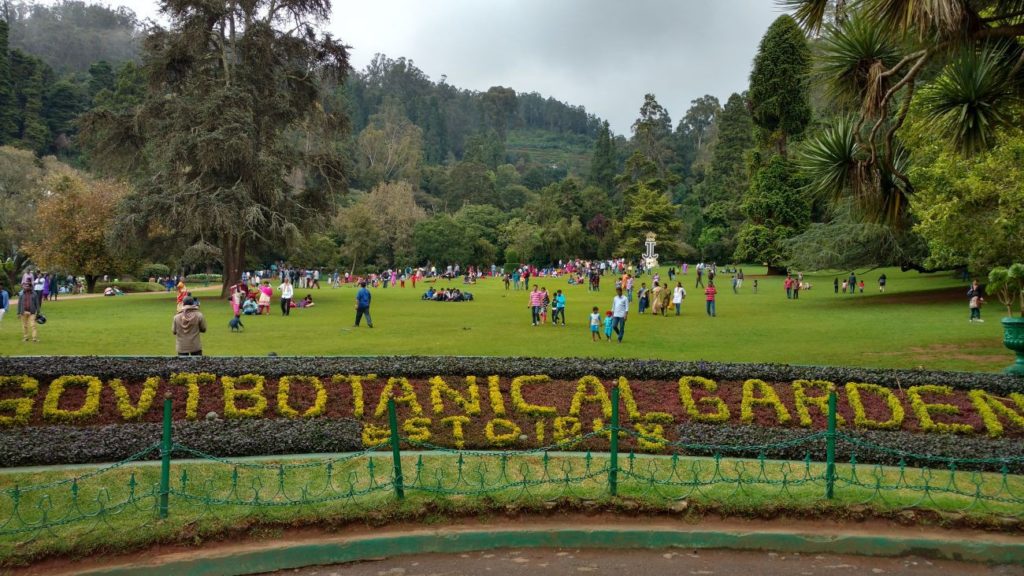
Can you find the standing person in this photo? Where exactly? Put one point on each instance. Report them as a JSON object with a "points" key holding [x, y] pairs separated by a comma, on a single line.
{"points": [[536, 301], [559, 308], [5, 302], [629, 287], [620, 309], [180, 298], [788, 283], [755, 285], [700, 273], [739, 279], [188, 324], [853, 283], [363, 305], [735, 284], [881, 283], [861, 285], [975, 302], [709, 297], [287, 291], [677, 296], [643, 297], [796, 288], [655, 298], [835, 284], [595, 325], [545, 302], [266, 294], [28, 308]]}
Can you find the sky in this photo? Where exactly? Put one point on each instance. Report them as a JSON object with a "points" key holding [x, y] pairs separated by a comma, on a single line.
{"points": [[601, 54]]}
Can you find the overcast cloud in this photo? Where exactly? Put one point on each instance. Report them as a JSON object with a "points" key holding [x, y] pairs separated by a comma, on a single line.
{"points": [[601, 54]]}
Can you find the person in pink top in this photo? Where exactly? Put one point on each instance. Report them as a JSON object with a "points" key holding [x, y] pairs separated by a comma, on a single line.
{"points": [[266, 292], [709, 295], [536, 303]]}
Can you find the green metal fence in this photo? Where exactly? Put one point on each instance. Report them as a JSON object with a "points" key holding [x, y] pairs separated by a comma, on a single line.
{"points": [[202, 492]]}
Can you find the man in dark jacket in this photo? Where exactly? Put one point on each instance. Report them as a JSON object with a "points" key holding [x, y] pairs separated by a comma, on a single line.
{"points": [[187, 326], [28, 307], [363, 305]]}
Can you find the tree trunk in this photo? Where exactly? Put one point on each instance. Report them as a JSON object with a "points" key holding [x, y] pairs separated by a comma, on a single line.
{"points": [[90, 283], [233, 252]]}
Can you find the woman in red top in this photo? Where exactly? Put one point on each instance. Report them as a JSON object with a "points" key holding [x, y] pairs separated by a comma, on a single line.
{"points": [[709, 294]]}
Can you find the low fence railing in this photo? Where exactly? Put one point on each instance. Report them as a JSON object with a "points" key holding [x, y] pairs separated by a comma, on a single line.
{"points": [[203, 492]]}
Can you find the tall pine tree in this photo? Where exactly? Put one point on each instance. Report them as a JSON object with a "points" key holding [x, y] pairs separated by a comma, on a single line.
{"points": [[724, 184], [8, 112], [775, 207], [778, 84], [602, 163]]}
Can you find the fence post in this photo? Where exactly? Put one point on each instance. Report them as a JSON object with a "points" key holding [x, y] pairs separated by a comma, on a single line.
{"points": [[613, 467], [396, 453], [165, 458], [830, 447]]}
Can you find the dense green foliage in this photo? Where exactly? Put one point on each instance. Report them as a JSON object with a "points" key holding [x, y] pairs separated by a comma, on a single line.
{"points": [[930, 85], [306, 172]]}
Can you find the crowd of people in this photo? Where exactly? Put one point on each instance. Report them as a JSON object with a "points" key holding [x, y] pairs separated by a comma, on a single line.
{"points": [[447, 295]]}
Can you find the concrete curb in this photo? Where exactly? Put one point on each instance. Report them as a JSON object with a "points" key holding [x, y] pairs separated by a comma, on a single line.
{"points": [[336, 550]]}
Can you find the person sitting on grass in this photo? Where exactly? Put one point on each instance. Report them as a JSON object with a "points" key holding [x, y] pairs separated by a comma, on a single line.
{"points": [[250, 307], [306, 302], [429, 294]]}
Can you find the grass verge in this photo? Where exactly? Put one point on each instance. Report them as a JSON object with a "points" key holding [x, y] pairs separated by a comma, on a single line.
{"points": [[70, 513]]}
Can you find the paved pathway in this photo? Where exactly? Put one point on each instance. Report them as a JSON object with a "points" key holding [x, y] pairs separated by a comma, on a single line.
{"points": [[650, 563]]}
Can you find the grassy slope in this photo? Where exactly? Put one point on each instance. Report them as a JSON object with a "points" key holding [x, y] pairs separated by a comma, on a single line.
{"points": [[550, 149], [921, 321]]}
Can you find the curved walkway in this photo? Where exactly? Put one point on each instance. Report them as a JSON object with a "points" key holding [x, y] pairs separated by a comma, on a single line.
{"points": [[605, 532], [556, 562]]}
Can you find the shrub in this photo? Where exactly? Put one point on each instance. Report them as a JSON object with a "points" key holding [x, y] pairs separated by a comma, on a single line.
{"points": [[47, 445], [153, 270], [131, 287]]}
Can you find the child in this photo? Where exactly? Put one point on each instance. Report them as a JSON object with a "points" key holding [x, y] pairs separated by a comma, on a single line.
{"points": [[595, 325], [845, 283], [976, 302], [755, 285], [861, 286], [608, 322]]}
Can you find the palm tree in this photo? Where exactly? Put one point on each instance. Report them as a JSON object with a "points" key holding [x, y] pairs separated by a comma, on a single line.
{"points": [[958, 60]]}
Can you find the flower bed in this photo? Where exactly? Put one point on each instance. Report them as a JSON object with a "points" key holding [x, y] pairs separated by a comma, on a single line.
{"points": [[463, 410]]}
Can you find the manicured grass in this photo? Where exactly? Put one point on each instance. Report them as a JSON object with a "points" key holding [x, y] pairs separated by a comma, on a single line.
{"points": [[212, 498], [920, 322]]}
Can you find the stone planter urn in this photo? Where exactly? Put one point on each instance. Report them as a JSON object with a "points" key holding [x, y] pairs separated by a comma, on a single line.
{"points": [[1013, 338]]}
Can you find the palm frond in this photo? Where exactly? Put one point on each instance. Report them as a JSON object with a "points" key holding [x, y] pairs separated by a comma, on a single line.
{"points": [[920, 17], [851, 61], [831, 160], [970, 99], [810, 14]]}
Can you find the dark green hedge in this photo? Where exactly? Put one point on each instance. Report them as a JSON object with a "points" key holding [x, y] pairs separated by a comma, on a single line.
{"points": [[46, 445], [873, 447], [424, 366]]}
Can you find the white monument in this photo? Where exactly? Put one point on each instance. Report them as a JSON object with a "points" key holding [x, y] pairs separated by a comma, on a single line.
{"points": [[650, 258]]}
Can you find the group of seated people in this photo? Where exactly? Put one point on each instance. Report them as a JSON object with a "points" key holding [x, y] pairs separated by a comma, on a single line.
{"points": [[447, 295], [251, 306]]}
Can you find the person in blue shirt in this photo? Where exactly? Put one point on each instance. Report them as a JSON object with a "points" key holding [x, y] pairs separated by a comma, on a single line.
{"points": [[5, 302], [559, 308], [363, 305]]}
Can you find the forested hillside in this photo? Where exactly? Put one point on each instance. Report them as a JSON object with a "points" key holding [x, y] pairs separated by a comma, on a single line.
{"points": [[227, 159]]}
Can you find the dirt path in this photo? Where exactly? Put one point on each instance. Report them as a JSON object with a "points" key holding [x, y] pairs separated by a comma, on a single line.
{"points": [[284, 539], [556, 562]]}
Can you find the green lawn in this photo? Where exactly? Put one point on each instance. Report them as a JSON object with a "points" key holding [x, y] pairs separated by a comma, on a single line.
{"points": [[920, 322]]}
